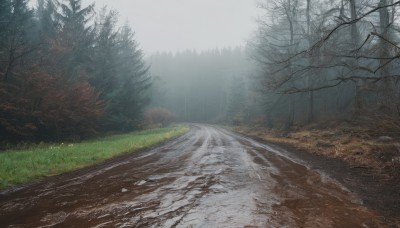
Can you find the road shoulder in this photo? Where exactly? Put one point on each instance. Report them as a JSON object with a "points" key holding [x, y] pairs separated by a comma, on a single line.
{"points": [[378, 190], [29, 167]]}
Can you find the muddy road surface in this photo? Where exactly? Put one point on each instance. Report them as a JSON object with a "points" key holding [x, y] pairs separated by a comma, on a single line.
{"points": [[209, 177]]}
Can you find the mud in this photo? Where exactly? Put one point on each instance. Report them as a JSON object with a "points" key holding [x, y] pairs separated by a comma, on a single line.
{"points": [[207, 178]]}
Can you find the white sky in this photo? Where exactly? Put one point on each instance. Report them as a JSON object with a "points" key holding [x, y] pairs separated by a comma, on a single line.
{"points": [[176, 25]]}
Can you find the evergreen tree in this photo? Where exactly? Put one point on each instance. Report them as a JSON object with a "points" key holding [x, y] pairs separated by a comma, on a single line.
{"points": [[105, 60], [60, 72], [119, 72], [47, 20], [130, 96], [76, 35], [15, 23], [5, 13]]}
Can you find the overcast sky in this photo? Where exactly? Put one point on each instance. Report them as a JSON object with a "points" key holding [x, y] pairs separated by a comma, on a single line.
{"points": [[176, 25]]}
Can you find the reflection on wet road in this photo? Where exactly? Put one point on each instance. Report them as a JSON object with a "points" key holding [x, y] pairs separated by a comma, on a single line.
{"points": [[209, 177]]}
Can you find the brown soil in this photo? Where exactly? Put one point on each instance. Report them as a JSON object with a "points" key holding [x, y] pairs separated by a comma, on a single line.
{"points": [[209, 177], [362, 163]]}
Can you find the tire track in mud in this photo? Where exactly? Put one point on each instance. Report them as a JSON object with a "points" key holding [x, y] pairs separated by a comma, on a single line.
{"points": [[209, 177]]}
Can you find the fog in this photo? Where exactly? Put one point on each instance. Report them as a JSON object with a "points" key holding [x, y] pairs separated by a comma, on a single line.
{"points": [[277, 63], [212, 86], [317, 77], [177, 25]]}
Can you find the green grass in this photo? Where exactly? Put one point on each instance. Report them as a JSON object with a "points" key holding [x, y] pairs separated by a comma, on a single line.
{"points": [[20, 167]]}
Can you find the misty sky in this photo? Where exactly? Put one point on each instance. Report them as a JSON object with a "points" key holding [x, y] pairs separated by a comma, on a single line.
{"points": [[175, 25]]}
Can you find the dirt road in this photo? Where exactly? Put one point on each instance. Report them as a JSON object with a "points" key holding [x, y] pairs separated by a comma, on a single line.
{"points": [[207, 178]]}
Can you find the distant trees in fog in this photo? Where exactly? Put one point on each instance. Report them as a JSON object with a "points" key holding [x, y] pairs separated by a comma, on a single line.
{"points": [[210, 86], [315, 60], [66, 72]]}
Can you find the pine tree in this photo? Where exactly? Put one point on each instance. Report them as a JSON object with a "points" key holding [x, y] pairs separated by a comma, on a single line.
{"points": [[77, 35], [15, 21], [105, 54], [130, 97], [47, 20]]}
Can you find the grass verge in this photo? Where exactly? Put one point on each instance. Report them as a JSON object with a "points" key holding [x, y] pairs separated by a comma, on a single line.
{"points": [[20, 167]]}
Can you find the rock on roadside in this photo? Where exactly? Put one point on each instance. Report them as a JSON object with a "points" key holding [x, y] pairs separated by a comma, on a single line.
{"points": [[385, 139]]}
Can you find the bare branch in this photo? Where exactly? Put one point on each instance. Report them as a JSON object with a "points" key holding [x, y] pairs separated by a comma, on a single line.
{"points": [[352, 22]]}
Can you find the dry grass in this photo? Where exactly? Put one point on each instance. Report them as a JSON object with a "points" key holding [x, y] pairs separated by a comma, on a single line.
{"points": [[376, 164], [353, 145]]}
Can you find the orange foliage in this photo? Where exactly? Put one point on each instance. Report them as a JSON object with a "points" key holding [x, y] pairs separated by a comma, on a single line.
{"points": [[159, 116], [42, 106]]}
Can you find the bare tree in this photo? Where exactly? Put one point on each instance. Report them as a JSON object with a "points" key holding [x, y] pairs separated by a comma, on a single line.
{"points": [[351, 46]]}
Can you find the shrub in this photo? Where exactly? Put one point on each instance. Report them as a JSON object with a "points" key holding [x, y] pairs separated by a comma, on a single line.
{"points": [[46, 107], [159, 116]]}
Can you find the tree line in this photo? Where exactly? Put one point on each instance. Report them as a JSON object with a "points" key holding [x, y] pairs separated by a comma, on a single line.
{"points": [[329, 58], [67, 72], [209, 86]]}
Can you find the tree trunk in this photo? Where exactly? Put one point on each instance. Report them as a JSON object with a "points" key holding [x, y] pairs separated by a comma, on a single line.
{"points": [[354, 31], [355, 38], [384, 53], [311, 107], [292, 104], [290, 14], [310, 78]]}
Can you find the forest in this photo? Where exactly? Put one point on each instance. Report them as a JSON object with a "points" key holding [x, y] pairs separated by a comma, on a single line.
{"points": [[171, 113], [67, 72], [308, 62], [322, 60], [207, 87]]}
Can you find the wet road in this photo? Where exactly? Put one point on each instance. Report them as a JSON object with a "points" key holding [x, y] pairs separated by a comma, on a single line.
{"points": [[209, 177]]}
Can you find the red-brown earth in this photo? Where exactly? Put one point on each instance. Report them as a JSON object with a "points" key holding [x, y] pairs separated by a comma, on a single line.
{"points": [[209, 177]]}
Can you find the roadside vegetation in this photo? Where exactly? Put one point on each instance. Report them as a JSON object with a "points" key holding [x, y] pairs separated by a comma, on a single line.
{"points": [[68, 72], [378, 155], [364, 161], [20, 167]]}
